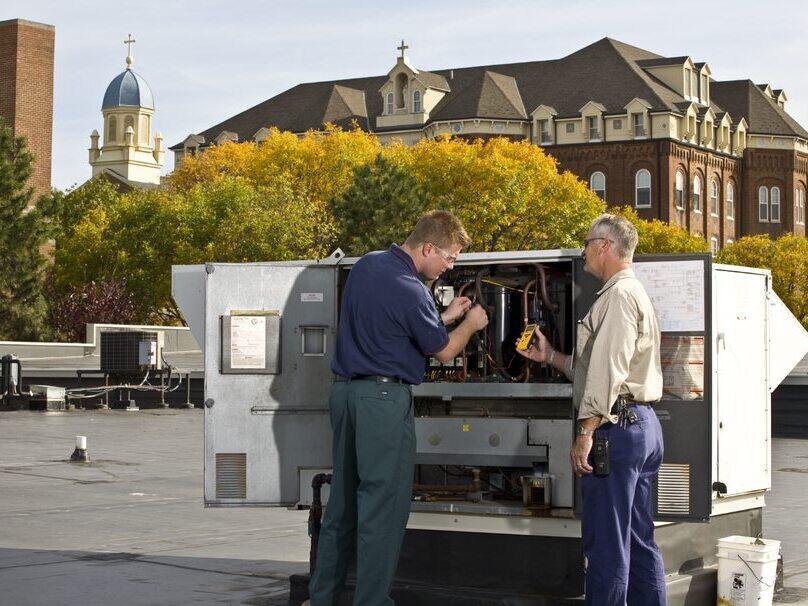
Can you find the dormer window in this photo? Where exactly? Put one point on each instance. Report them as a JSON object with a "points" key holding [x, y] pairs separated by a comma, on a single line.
{"points": [[544, 131], [687, 83], [416, 101], [694, 83], [592, 127], [703, 95], [638, 124], [390, 103], [401, 90]]}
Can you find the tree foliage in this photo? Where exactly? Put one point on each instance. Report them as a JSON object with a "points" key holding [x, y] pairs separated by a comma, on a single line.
{"points": [[509, 195], [96, 302], [379, 208], [23, 233], [786, 257], [296, 197], [658, 237]]}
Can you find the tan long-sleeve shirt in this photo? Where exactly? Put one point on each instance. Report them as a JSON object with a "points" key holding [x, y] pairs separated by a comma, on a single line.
{"points": [[617, 349]]}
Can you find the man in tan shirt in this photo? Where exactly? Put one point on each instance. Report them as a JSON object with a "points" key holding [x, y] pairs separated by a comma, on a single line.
{"points": [[616, 376]]}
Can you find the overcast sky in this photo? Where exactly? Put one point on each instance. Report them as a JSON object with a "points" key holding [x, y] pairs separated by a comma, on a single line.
{"points": [[207, 60]]}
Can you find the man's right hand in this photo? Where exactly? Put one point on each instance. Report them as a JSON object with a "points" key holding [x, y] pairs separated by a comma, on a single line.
{"points": [[540, 350], [476, 317]]}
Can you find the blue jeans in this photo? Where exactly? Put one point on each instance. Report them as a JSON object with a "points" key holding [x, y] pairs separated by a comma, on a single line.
{"points": [[624, 565]]}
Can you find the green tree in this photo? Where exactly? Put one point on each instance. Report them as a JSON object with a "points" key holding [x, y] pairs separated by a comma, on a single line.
{"points": [[67, 209], [140, 235], [786, 257], [380, 207], [23, 232]]}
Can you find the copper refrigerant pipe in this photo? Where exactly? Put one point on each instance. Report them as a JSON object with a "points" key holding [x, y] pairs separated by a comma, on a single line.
{"points": [[543, 288], [525, 296]]}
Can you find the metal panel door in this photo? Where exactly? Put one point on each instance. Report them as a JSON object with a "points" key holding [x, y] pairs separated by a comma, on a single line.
{"points": [[741, 388], [261, 429], [680, 288]]}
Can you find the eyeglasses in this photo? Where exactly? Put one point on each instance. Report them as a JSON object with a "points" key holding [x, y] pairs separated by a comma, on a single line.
{"points": [[450, 259], [588, 240]]}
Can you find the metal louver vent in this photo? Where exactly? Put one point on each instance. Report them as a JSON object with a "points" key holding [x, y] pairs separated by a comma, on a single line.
{"points": [[673, 489], [231, 475]]}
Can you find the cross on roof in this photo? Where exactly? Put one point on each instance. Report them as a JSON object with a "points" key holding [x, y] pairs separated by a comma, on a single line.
{"points": [[129, 42], [402, 48]]}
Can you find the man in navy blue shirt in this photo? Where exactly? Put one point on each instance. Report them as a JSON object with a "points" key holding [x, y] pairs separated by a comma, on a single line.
{"points": [[388, 326]]}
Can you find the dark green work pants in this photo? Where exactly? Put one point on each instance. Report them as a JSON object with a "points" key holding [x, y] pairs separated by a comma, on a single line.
{"points": [[369, 503]]}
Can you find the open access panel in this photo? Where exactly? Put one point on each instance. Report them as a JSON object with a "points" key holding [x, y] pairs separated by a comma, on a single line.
{"points": [[494, 430]]}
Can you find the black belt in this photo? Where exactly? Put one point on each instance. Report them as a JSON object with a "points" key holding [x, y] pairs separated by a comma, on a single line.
{"points": [[629, 402], [377, 378]]}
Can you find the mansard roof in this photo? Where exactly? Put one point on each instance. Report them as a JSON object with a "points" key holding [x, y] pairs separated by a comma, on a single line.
{"points": [[609, 71], [763, 115]]}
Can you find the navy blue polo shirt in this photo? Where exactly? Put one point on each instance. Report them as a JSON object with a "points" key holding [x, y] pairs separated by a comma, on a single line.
{"points": [[388, 322]]}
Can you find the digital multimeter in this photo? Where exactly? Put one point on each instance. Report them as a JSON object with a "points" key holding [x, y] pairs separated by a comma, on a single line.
{"points": [[527, 338]]}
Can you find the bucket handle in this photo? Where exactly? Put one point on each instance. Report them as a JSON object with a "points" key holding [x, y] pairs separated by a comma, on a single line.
{"points": [[761, 581]]}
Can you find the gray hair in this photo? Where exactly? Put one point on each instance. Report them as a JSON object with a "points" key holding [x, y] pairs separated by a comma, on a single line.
{"points": [[620, 231]]}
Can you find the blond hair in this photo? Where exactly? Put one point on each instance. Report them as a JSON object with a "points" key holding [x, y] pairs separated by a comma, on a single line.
{"points": [[440, 228]]}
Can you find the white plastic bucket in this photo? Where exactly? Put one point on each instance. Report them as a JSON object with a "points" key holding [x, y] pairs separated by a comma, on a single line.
{"points": [[746, 571]]}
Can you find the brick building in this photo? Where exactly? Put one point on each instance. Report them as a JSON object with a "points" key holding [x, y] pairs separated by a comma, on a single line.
{"points": [[26, 91], [720, 158]]}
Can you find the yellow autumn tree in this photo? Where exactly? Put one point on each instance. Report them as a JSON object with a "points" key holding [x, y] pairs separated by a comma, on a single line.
{"points": [[656, 236], [316, 167], [509, 195], [786, 257]]}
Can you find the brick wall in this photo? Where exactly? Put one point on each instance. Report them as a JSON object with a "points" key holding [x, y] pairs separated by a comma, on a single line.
{"points": [[26, 91], [620, 161], [785, 169]]}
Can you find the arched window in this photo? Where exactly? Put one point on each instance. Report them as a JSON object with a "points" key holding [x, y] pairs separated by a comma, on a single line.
{"points": [[763, 204], [389, 103], [774, 216], [697, 194], [401, 90], [416, 102], [730, 201], [597, 183], [144, 130], [127, 122], [112, 129], [799, 203], [679, 195], [642, 189], [714, 197], [714, 245]]}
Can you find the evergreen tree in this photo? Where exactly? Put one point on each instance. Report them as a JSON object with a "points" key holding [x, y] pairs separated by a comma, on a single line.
{"points": [[380, 207], [23, 231]]}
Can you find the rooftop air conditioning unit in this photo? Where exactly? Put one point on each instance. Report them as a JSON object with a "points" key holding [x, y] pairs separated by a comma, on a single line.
{"points": [[130, 352]]}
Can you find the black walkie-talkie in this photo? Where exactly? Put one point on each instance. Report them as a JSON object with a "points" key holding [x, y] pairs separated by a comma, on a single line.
{"points": [[600, 456]]}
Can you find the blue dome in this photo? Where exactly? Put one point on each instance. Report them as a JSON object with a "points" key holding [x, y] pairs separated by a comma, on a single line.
{"points": [[128, 89]]}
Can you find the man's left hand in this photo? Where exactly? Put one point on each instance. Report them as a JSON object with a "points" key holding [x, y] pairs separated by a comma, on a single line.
{"points": [[579, 455], [457, 309]]}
